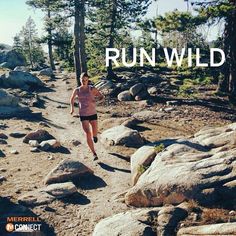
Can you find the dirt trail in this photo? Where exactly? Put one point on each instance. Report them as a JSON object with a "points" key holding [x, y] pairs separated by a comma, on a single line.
{"points": [[112, 174], [79, 214]]}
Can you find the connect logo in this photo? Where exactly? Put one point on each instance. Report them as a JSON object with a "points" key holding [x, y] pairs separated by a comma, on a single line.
{"points": [[23, 224], [10, 227]]}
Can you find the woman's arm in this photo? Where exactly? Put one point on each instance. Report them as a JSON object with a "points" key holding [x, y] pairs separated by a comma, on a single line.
{"points": [[98, 94], [72, 100]]}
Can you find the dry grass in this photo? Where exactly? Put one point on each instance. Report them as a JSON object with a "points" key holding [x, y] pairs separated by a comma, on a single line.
{"points": [[213, 216]]}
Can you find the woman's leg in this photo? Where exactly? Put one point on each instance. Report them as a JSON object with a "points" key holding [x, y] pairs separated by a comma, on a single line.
{"points": [[94, 124], [86, 128]]}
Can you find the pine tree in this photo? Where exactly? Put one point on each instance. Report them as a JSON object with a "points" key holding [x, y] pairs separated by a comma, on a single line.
{"points": [[50, 7], [224, 10], [110, 17], [29, 41]]}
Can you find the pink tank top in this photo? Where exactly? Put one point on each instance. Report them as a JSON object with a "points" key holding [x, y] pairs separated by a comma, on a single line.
{"points": [[87, 105]]}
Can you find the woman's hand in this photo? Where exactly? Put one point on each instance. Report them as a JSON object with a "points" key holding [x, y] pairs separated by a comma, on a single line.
{"points": [[72, 111]]}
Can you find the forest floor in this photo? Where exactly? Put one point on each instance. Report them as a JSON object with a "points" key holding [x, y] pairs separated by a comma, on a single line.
{"points": [[97, 195]]}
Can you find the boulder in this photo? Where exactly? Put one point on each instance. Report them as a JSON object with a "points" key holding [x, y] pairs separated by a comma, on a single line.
{"points": [[141, 159], [7, 99], [121, 135], [19, 79], [169, 218], [124, 96], [39, 135], [137, 88], [147, 115], [200, 169], [17, 111], [130, 223], [47, 194], [47, 72], [67, 170], [213, 229], [10, 58]]}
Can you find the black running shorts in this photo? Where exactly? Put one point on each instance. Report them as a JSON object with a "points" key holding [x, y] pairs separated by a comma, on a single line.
{"points": [[92, 117]]}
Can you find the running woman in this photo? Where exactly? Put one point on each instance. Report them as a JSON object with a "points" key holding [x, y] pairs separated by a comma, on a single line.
{"points": [[87, 96]]}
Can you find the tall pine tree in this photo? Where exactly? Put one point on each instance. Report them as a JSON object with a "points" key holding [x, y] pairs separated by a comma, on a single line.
{"points": [[110, 17], [224, 10]]}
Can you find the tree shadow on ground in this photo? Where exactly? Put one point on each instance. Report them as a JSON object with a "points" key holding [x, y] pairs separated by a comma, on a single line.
{"points": [[168, 142], [10, 209], [89, 182], [56, 101], [61, 149], [214, 104], [140, 128], [125, 158], [76, 199], [111, 168]]}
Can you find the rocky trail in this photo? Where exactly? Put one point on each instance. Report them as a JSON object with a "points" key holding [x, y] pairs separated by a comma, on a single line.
{"points": [[96, 194]]}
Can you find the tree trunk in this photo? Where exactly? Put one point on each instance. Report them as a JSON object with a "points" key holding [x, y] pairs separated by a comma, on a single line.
{"points": [[110, 73], [229, 82], [82, 37], [77, 42], [79, 39], [50, 44], [232, 69]]}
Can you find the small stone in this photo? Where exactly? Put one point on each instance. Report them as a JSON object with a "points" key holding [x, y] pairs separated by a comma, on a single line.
{"points": [[46, 145], [173, 103], [43, 124], [17, 134], [169, 109], [3, 136], [2, 153], [232, 213], [14, 152], [33, 143], [2, 178], [76, 143], [50, 158], [18, 191], [39, 135], [47, 208], [62, 107], [34, 149], [152, 90], [3, 126], [3, 141]]}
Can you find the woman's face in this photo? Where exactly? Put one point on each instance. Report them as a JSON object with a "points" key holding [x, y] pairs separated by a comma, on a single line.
{"points": [[84, 80]]}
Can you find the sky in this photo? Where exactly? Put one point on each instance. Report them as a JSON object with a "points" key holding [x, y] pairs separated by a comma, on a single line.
{"points": [[14, 14]]}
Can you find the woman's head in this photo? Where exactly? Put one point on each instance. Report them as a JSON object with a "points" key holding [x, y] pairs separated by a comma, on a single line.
{"points": [[84, 78]]}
